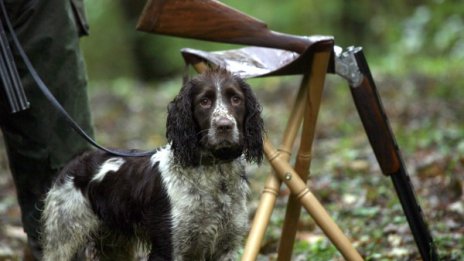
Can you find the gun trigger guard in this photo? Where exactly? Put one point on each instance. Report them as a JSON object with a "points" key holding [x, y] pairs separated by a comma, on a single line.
{"points": [[347, 67]]}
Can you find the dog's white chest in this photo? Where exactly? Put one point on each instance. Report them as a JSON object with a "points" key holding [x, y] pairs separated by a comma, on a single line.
{"points": [[208, 208]]}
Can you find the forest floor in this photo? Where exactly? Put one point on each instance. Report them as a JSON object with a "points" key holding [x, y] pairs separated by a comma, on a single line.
{"points": [[426, 114]]}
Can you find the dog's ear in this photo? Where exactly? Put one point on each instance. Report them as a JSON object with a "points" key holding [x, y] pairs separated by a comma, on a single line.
{"points": [[253, 127], [181, 129]]}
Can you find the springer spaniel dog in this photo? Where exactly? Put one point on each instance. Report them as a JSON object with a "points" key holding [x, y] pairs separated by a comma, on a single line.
{"points": [[187, 201]]}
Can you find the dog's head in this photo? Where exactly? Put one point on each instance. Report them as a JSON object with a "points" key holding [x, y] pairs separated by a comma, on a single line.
{"points": [[217, 114]]}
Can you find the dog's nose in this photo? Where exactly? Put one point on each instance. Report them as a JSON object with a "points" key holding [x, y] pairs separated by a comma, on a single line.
{"points": [[224, 125]]}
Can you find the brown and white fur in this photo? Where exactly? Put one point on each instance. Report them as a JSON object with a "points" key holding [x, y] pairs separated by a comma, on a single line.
{"points": [[187, 201]]}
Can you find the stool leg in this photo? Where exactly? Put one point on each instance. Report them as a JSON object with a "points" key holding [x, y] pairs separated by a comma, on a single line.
{"points": [[298, 187], [303, 160], [261, 218], [272, 185]]}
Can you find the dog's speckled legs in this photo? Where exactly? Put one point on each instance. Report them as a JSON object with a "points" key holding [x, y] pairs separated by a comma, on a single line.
{"points": [[68, 222]]}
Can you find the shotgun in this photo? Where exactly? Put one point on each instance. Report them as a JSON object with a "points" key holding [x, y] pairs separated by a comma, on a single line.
{"points": [[13, 89], [211, 20]]}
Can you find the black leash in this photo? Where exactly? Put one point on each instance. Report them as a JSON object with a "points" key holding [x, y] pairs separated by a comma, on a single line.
{"points": [[44, 89]]}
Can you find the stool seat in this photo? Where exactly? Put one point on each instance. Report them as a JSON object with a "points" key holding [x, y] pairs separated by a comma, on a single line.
{"points": [[250, 62]]}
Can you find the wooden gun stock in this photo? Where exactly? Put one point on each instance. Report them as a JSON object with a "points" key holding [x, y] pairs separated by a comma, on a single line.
{"points": [[375, 122], [211, 20], [388, 155]]}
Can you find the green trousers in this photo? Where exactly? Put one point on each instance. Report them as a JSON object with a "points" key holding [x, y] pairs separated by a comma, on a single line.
{"points": [[38, 141]]}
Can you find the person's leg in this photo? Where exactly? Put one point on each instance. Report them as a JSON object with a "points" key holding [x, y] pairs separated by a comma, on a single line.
{"points": [[39, 142]]}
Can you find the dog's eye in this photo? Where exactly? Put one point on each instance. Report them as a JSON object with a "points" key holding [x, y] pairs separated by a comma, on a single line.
{"points": [[235, 100], [205, 102]]}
